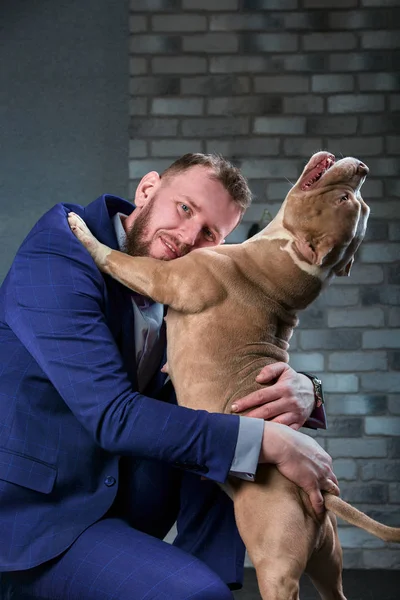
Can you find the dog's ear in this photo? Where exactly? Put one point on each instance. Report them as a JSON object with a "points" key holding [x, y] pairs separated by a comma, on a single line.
{"points": [[314, 253], [344, 271]]}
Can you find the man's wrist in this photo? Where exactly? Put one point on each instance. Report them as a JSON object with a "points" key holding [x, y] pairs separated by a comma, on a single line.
{"points": [[318, 391]]}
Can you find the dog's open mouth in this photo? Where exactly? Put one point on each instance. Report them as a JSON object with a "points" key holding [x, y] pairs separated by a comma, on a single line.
{"points": [[315, 172]]}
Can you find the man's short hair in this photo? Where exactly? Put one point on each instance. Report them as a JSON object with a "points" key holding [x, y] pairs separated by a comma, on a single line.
{"points": [[222, 170]]}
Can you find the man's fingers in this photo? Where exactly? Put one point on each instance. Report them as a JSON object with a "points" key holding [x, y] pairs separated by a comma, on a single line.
{"points": [[271, 372], [317, 501], [332, 487], [255, 399]]}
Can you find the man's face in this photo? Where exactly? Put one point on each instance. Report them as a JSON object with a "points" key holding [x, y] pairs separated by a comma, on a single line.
{"points": [[179, 214]]}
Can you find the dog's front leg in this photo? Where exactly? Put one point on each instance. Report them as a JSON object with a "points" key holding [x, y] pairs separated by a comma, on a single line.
{"points": [[174, 283]]}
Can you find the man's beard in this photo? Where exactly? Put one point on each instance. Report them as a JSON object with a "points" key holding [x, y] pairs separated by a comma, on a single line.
{"points": [[136, 243]]}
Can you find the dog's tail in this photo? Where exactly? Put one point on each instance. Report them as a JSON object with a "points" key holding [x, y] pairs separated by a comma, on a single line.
{"points": [[355, 517]]}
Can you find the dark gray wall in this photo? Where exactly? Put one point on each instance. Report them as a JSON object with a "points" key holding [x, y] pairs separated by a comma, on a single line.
{"points": [[63, 108]]}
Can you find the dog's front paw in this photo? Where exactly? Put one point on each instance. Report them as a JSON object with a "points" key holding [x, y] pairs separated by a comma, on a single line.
{"points": [[96, 249]]}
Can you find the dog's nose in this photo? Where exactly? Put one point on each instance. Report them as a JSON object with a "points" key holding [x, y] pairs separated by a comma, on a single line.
{"points": [[362, 169]]}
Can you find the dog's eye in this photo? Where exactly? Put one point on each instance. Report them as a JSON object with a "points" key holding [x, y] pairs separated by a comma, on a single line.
{"points": [[344, 198]]}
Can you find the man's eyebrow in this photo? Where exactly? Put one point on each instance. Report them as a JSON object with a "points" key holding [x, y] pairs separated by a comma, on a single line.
{"points": [[198, 208]]}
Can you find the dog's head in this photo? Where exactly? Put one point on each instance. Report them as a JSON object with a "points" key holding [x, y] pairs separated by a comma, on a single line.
{"points": [[325, 213]]}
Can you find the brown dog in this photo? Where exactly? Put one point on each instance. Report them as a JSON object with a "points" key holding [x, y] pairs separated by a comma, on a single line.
{"points": [[263, 282]]}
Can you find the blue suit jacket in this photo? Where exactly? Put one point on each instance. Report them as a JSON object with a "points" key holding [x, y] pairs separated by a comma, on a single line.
{"points": [[69, 409]]}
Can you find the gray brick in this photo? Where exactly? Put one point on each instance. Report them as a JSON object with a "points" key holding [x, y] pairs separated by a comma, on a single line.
{"points": [[385, 210], [177, 106], [211, 42], [137, 23], [353, 559], [340, 382], [288, 84], [393, 144], [372, 188], [139, 167], [390, 294], [356, 146], [307, 361], [372, 125], [377, 230], [345, 469], [394, 102], [385, 167], [380, 252], [175, 148], [268, 168], [179, 22], [349, 103], [312, 317], [358, 361], [381, 382], [138, 149], [381, 470], [348, 427], [303, 104], [394, 493], [357, 448], [212, 126], [386, 558], [363, 19], [336, 296], [210, 5], [385, 338], [379, 81], [332, 83], [394, 362], [383, 425], [154, 127], [360, 274], [160, 86], [388, 515], [394, 232], [371, 493], [356, 317], [277, 190], [362, 61], [238, 64], [394, 404], [138, 66], [306, 62], [356, 404], [216, 85], [269, 4], [241, 147], [350, 537], [138, 106], [304, 21], [394, 274], [394, 317], [154, 5], [392, 187], [280, 125], [269, 42], [329, 41], [322, 3], [179, 64], [244, 105], [379, 39], [330, 340], [301, 146], [338, 125], [246, 22], [155, 44], [379, 2], [370, 296]]}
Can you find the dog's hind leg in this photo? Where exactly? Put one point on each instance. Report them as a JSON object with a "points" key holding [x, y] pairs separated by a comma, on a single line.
{"points": [[325, 565]]}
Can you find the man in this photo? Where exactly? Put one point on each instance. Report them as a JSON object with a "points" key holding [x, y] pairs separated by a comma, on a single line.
{"points": [[97, 461]]}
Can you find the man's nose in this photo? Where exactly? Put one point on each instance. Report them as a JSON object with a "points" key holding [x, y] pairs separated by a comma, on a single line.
{"points": [[362, 169], [190, 233]]}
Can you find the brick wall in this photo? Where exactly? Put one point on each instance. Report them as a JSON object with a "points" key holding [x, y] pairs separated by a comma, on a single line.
{"points": [[267, 83]]}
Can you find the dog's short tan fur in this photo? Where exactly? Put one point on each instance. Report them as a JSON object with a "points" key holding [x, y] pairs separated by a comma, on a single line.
{"points": [[232, 310]]}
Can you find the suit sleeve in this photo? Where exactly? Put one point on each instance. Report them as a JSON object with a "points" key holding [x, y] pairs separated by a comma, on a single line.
{"points": [[56, 307]]}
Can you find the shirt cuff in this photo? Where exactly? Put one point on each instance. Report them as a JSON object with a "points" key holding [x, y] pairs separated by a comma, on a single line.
{"points": [[317, 419], [248, 446]]}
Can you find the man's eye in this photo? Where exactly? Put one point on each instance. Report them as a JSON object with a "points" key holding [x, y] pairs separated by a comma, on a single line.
{"points": [[209, 234]]}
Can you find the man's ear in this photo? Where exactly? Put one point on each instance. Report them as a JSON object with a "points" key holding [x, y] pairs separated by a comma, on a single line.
{"points": [[147, 187]]}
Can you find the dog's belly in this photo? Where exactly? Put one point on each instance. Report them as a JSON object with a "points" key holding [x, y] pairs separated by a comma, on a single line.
{"points": [[210, 372]]}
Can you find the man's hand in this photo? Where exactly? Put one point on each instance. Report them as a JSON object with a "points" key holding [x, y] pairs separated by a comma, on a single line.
{"points": [[289, 401], [301, 459]]}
